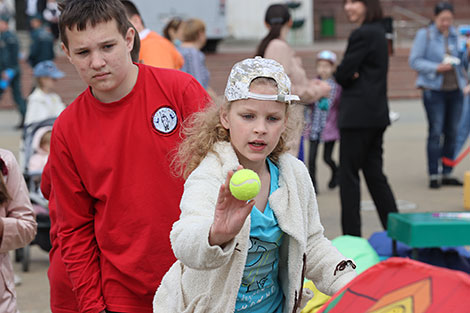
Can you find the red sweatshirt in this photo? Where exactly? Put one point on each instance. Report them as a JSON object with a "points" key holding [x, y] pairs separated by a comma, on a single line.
{"points": [[115, 196]]}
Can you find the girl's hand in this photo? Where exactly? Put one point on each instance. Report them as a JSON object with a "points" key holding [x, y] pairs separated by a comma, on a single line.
{"points": [[230, 215], [322, 89]]}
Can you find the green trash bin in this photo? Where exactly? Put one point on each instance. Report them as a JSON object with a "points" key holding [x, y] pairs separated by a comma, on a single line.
{"points": [[327, 26]]}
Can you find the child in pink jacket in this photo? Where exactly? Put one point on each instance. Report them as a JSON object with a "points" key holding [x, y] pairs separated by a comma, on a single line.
{"points": [[17, 225]]}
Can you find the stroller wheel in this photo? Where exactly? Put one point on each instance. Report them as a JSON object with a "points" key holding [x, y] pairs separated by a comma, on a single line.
{"points": [[25, 260]]}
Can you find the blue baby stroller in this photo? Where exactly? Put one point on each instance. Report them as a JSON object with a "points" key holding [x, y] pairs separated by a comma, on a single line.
{"points": [[31, 139]]}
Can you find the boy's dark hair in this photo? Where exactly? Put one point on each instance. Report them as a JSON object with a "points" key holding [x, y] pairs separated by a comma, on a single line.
{"points": [[373, 10], [276, 16], [131, 9], [136, 47], [81, 13]]}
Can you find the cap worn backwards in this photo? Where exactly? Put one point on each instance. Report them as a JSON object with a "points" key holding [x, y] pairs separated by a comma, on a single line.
{"points": [[327, 55], [244, 72], [47, 69]]}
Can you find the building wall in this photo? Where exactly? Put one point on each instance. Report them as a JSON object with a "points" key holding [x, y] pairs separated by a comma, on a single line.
{"points": [[334, 9], [245, 19]]}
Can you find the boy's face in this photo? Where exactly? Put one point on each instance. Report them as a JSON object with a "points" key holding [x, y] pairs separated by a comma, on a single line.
{"points": [[102, 58], [325, 69]]}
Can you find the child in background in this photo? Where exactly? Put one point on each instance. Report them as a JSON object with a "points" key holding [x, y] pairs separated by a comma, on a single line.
{"points": [[322, 118], [42, 146], [194, 38], [43, 102], [17, 225], [172, 31], [247, 256]]}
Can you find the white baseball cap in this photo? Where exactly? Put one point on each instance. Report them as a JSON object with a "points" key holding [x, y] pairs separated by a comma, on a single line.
{"points": [[244, 72], [327, 55]]}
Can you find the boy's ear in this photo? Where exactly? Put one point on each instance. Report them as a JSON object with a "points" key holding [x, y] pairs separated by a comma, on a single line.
{"points": [[130, 38], [66, 51]]}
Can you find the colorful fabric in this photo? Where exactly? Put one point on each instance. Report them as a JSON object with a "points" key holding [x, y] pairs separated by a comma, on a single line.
{"points": [[403, 285]]}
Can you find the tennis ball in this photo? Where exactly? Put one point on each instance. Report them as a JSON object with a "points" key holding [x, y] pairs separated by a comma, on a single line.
{"points": [[245, 184]]}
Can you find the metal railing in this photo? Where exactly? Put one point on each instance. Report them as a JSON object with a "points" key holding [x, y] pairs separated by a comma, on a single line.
{"points": [[406, 23]]}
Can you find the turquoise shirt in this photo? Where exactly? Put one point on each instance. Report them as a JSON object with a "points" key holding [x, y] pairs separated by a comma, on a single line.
{"points": [[260, 291]]}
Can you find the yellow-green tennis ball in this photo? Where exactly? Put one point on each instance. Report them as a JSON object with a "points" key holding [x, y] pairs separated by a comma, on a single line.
{"points": [[245, 184]]}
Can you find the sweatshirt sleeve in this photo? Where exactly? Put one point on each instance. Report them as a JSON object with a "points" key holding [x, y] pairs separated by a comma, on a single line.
{"points": [[75, 221], [19, 223]]}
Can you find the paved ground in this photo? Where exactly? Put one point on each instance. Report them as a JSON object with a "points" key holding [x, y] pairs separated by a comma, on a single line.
{"points": [[404, 164]]}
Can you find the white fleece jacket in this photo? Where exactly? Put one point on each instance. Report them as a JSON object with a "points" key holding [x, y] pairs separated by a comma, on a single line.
{"points": [[207, 278]]}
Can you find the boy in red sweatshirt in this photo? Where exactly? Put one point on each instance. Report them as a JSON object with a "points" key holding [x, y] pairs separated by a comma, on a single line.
{"points": [[114, 196]]}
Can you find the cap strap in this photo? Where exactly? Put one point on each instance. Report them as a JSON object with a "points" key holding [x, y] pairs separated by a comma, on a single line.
{"points": [[280, 98]]}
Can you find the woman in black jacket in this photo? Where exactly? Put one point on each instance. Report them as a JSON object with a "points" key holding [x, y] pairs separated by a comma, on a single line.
{"points": [[363, 115]]}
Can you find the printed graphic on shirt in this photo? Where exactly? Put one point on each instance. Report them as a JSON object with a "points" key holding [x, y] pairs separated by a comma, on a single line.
{"points": [[260, 258], [258, 288], [165, 120]]}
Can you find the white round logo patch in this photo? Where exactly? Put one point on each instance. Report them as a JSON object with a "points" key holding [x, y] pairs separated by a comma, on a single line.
{"points": [[165, 120]]}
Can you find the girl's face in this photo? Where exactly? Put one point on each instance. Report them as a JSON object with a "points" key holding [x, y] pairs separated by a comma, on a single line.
{"points": [[443, 21], [355, 11], [325, 69], [255, 126]]}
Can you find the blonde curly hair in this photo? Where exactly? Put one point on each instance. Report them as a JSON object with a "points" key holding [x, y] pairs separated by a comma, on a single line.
{"points": [[203, 129]]}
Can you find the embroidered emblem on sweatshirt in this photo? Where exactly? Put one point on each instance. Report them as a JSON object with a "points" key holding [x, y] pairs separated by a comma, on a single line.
{"points": [[165, 120]]}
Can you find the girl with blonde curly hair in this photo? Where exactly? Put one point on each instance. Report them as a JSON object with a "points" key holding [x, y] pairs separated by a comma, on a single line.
{"points": [[247, 256]]}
